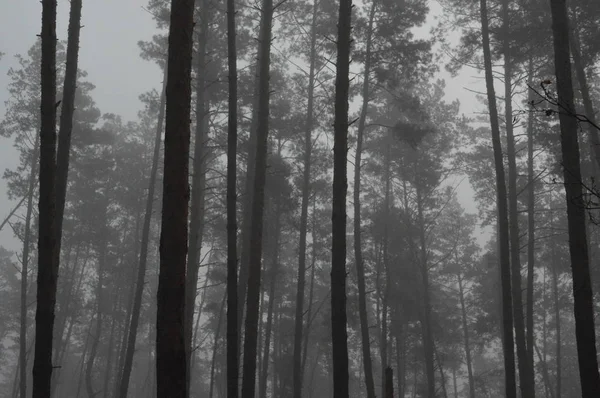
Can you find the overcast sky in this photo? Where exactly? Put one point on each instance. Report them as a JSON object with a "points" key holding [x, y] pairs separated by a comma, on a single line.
{"points": [[110, 55]]}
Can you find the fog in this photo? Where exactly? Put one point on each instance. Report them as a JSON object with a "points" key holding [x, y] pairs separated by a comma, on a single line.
{"points": [[299, 198]]}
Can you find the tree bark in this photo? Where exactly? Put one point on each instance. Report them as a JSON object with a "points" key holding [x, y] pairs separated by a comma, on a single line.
{"points": [[198, 185], [171, 366], [24, 271], [143, 259], [232, 260], [555, 296], [215, 349], [47, 265], [338, 217], [582, 289], [360, 267], [297, 360], [389, 383], [501, 203]]}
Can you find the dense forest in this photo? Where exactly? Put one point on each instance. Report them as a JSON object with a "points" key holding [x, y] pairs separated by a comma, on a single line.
{"points": [[304, 209]]}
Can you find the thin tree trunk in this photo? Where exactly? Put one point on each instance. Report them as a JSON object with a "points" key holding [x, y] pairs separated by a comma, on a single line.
{"points": [[340, 187], [198, 317], [255, 255], [233, 305], [360, 267], [89, 370], [544, 369], [274, 271], [171, 366], [582, 289], [530, 237], [24, 271], [82, 362], [463, 309], [556, 300], [47, 265], [111, 341], [198, 185], [215, 349], [297, 360], [143, 259], [389, 383], [386, 265], [310, 295], [501, 203]]}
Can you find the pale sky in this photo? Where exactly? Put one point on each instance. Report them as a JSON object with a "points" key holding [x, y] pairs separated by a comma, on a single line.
{"points": [[110, 55]]}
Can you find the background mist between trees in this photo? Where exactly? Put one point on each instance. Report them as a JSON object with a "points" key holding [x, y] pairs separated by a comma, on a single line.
{"points": [[423, 286]]}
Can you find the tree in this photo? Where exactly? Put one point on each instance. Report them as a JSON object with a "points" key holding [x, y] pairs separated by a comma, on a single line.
{"points": [[171, 369], [256, 217], [502, 208], [47, 264], [338, 217], [578, 247], [232, 297]]}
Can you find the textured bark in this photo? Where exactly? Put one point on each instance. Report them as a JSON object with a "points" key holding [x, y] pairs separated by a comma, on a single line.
{"points": [[24, 271], [501, 203], [143, 259], [338, 217], [47, 265], [297, 360], [198, 185], [171, 367], [255, 255], [463, 309], [360, 267], [580, 267], [526, 380], [232, 261]]}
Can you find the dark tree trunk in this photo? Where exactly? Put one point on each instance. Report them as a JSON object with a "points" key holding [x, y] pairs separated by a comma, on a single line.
{"points": [[171, 366], [232, 261], [297, 366], [47, 265], [360, 267], [198, 185], [66, 119], [501, 203], [582, 288], [24, 272], [215, 349], [389, 383], [338, 218], [143, 259], [254, 264], [525, 373]]}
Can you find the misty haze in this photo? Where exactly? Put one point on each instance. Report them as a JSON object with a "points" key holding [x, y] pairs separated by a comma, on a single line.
{"points": [[299, 198]]}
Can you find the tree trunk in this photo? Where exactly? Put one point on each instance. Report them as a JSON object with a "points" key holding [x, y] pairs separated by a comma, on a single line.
{"points": [[24, 271], [338, 218], [143, 259], [66, 119], [111, 341], [255, 255], [507, 321], [274, 270], [463, 308], [556, 300], [530, 237], [389, 383], [582, 289], [297, 364], [215, 349], [309, 311], [360, 267], [198, 185], [386, 265], [232, 261], [428, 343], [89, 369], [171, 366], [525, 373], [47, 265]]}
